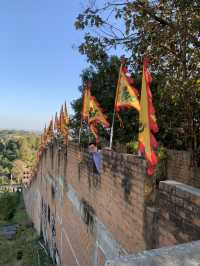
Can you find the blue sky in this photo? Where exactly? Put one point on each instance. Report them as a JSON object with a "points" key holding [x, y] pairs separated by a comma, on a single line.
{"points": [[39, 70]]}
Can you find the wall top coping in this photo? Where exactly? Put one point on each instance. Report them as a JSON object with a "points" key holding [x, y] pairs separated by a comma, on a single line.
{"points": [[117, 156], [186, 188], [186, 254]]}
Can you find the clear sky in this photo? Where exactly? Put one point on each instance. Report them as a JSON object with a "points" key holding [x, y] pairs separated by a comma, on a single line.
{"points": [[39, 69]]}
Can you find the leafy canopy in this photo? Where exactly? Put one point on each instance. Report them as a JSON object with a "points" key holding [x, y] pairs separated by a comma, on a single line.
{"points": [[167, 31]]}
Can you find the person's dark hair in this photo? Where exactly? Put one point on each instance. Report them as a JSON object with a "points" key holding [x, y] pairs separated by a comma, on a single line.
{"points": [[93, 143]]}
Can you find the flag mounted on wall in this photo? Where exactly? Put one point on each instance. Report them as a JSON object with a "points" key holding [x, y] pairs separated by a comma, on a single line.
{"points": [[56, 123], [50, 132], [96, 116], [86, 103], [127, 95], [64, 122], [147, 122], [92, 112]]}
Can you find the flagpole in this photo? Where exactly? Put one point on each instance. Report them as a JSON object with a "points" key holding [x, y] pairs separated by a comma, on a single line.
{"points": [[80, 129], [79, 136], [112, 129], [113, 119]]}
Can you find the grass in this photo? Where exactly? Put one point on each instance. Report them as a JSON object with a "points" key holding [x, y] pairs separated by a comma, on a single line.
{"points": [[25, 249]]}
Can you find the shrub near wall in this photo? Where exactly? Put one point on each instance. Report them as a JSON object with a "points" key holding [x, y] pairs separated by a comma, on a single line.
{"points": [[8, 205]]}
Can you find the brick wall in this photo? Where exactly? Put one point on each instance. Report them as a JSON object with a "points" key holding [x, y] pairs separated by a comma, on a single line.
{"points": [[176, 221], [179, 213], [67, 187], [88, 219], [120, 209], [179, 168]]}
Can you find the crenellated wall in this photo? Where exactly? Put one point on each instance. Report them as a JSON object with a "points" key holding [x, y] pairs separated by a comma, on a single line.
{"points": [[90, 219]]}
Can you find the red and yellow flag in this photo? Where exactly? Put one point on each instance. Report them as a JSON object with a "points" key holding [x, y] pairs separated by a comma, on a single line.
{"points": [[64, 122], [148, 124], [126, 95], [94, 131], [92, 112], [66, 117], [56, 123], [86, 103], [61, 120], [96, 114], [50, 132]]}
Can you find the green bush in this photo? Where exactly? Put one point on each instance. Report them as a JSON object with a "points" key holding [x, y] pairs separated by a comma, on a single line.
{"points": [[8, 205], [132, 146], [161, 168]]}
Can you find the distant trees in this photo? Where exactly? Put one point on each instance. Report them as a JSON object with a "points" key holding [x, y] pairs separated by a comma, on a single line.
{"points": [[17, 150], [9, 151], [18, 169]]}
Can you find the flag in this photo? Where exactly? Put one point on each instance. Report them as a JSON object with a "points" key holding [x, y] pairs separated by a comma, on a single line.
{"points": [[56, 123], [86, 103], [126, 95], [94, 131], [66, 117], [50, 132], [92, 112], [64, 122], [96, 114], [148, 124], [61, 120]]}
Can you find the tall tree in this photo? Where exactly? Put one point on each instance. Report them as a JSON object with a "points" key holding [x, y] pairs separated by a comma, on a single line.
{"points": [[168, 32]]}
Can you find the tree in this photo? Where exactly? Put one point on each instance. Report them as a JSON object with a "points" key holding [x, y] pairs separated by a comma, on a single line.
{"points": [[14, 146], [28, 149], [167, 31], [18, 170]]}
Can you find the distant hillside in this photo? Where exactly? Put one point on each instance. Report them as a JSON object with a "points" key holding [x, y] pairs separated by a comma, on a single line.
{"points": [[6, 134], [17, 150]]}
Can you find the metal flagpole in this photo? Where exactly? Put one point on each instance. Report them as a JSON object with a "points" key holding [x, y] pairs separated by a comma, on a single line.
{"points": [[112, 129], [79, 135], [113, 119], [80, 129]]}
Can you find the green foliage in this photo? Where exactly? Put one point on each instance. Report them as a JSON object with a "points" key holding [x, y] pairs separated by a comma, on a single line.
{"points": [[18, 170], [8, 205], [168, 33], [17, 146], [132, 147], [161, 168], [24, 249]]}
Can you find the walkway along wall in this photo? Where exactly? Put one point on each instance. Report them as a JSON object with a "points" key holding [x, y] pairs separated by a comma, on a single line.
{"points": [[85, 217]]}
